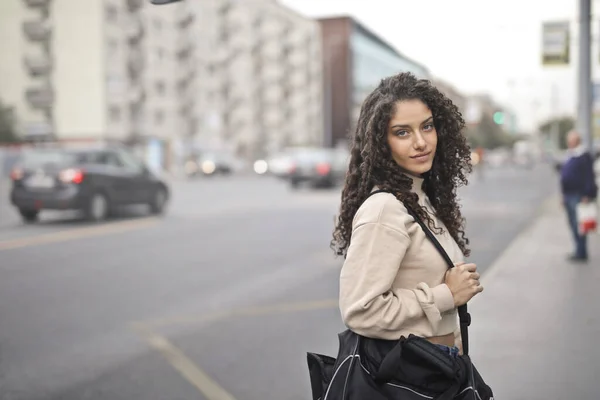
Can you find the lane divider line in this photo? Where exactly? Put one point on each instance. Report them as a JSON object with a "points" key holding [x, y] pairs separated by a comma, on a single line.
{"points": [[188, 369], [76, 233], [244, 312]]}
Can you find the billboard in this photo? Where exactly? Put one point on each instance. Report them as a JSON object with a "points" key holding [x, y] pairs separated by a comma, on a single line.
{"points": [[555, 43]]}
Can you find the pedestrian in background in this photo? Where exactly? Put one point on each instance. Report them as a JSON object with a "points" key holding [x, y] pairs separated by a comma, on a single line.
{"points": [[578, 185]]}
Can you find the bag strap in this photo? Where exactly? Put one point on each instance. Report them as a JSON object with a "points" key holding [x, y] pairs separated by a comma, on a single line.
{"points": [[463, 314]]}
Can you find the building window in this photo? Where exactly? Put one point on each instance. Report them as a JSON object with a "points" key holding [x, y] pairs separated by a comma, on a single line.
{"points": [[160, 87], [114, 114], [113, 47], [160, 54], [159, 117], [111, 13], [115, 84]]}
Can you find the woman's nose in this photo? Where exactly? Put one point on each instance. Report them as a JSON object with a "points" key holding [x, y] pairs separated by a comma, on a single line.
{"points": [[419, 141]]}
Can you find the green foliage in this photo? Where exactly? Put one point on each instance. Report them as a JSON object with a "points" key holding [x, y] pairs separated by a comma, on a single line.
{"points": [[489, 135], [8, 123]]}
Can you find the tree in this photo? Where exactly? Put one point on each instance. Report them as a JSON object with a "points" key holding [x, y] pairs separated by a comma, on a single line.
{"points": [[488, 134], [8, 122], [565, 124]]}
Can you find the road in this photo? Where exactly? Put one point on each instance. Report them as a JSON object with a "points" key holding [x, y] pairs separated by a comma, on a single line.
{"points": [[218, 300]]}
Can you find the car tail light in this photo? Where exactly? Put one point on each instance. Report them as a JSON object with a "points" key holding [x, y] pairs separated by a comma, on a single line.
{"points": [[16, 174], [292, 168], [71, 176], [323, 168]]}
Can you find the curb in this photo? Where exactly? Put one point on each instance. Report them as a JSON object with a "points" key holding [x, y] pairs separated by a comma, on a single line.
{"points": [[493, 270]]}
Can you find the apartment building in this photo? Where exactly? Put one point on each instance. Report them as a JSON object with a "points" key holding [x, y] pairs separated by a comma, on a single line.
{"points": [[90, 70], [241, 75], [251, 77], [26, 68]]}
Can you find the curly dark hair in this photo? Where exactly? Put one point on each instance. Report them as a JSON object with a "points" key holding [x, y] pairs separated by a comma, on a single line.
{"points": [[371, 162]]}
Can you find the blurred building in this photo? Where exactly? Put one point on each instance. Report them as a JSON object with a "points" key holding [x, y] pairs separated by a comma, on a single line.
{"points": [[250, 76], [452, 93], [90, 70], [354, 62], [477, 106]]}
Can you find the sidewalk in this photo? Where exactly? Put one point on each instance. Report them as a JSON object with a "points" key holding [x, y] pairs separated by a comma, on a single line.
{"points": [[536, 327]]}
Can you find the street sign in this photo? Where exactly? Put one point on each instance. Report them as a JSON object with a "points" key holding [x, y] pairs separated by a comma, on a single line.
{"points": [[555, 43]]}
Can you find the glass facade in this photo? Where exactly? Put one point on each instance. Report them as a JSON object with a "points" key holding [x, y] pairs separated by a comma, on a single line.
{"points": [[372, 61]]}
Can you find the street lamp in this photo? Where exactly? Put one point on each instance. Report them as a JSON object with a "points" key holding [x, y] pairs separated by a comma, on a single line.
{"points": [[161, 2]]}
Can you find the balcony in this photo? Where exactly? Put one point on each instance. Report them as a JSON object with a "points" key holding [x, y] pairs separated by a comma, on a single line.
{"points": [[37, 3], [137, 94], [40, 97], [37, 30], [38, 129], [38, 65], [134, 5], [135, 31], [186, 18], [185, 48], [136, 63]]}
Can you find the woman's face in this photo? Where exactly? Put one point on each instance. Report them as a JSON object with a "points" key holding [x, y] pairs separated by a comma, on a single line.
{"points": [[412, 136]]}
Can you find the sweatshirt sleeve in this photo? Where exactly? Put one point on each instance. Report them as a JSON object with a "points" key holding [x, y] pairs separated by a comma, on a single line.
{"points": [[368, 303], [590, 186]]}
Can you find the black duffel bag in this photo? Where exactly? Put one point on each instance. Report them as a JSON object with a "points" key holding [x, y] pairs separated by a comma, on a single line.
{"points": [[405, 369]]}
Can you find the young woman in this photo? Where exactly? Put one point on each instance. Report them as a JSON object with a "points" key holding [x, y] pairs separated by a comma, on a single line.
{"points": [[394, 282]]}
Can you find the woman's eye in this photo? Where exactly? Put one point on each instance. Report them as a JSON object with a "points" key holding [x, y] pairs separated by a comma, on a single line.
{"points": [[401, 133], [428, 127]]}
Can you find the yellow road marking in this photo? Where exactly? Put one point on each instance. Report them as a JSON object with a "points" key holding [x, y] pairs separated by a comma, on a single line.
{"points": [[245, 312], [77, 233], [190, 371]]}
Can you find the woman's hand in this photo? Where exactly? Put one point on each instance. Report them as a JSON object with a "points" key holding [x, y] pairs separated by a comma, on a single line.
{"points": [[463, 281]]}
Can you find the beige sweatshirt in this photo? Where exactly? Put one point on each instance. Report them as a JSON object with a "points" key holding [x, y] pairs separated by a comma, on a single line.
{"points": [[392, 281]]}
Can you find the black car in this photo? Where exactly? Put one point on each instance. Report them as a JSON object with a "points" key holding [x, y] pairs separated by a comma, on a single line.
{"points": [[93, 180]]}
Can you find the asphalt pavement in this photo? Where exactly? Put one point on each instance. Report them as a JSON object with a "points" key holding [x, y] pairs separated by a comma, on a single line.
{"points": [[220, 299]]}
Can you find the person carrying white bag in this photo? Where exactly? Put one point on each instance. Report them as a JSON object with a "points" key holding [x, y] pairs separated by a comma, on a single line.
{"points": [[587, 218], [579, 191]]}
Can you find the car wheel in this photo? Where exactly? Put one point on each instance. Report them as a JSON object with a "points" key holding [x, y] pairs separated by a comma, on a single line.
{"points": [[98, 208], [159, 200], [29, 216]]}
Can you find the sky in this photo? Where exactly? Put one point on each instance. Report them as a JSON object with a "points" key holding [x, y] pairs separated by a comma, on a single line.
{"points": [[479, 46]]}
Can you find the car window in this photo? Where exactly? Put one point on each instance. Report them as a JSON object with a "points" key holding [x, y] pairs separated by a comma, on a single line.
{"points": [[99, 158], [43, 157], [317, 155], [129, 161]]}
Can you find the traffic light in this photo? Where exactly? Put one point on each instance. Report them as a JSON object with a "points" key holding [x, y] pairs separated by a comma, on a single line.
{"points": [[499, 117]]}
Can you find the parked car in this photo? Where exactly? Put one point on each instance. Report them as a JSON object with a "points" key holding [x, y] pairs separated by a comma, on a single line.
{"points": [[318, 167], [280, 164], [91, 180], [211, 163]]}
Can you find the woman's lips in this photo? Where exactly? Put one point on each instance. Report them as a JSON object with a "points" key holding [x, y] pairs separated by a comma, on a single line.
{"points": [[421, 157]]}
